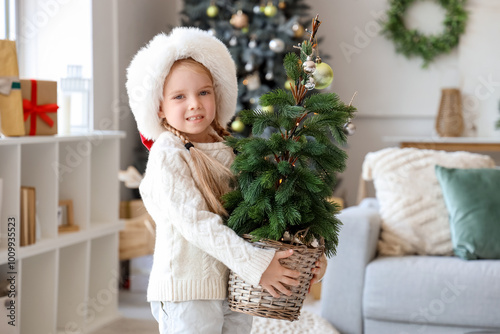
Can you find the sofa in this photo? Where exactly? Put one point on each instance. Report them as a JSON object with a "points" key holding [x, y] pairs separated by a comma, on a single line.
{"points": [[401, 265], [366, 293]]}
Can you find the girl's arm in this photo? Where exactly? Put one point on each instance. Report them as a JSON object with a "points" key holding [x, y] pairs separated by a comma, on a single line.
{"points": [[173, 196]]}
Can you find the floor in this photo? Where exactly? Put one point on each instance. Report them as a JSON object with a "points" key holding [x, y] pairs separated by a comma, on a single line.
{"points": [[136, 316]]}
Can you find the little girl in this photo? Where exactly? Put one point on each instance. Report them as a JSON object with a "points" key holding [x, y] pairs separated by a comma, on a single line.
{"points": [[182, 89]]}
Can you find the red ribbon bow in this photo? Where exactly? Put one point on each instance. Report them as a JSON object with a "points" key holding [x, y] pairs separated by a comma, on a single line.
{"points": [[31, 108]]}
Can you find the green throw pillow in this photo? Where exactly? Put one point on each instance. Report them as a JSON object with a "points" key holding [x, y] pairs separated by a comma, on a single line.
{"points": [[472, 197]]}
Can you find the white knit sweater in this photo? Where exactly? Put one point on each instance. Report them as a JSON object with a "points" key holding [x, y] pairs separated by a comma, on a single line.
{"points": [[193, 248]]}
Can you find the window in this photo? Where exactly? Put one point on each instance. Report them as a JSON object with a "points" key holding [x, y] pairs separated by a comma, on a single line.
{"points": [[54, 42], [8, 19]]}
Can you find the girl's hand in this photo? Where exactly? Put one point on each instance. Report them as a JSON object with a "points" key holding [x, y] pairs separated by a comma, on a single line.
{"points": [[276, 275], [319, 270]]}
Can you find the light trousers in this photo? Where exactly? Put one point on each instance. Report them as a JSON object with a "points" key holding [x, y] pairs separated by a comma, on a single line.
{"points": [[200, 317]]}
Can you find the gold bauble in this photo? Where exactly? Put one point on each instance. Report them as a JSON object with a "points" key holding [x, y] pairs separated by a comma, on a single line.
{"points": [[270, 10], [268, 109], [237, 125], [323, 76], [298, 30], [287, 84], [212, 11]]}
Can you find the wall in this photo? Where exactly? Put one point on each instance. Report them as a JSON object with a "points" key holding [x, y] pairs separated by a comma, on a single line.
{"points": [[396, 97]]}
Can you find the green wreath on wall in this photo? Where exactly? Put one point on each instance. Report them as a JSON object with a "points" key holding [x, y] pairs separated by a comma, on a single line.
{"points": [[411, 42]]}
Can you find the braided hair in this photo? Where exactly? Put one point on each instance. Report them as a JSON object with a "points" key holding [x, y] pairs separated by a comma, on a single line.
{"points": [[213, 177]]}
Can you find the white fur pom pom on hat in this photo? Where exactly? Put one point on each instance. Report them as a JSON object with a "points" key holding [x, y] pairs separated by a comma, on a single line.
{"points": [[150, 66]]}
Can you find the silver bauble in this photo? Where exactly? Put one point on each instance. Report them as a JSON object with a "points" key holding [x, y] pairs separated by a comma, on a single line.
{"points": [[349, 128], [276, 45], [310, 85], [233, 41], [309, 66], [249, 67]]}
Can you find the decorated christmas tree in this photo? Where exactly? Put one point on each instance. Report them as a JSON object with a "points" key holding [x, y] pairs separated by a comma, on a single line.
{"points": [[285, 182], [258, 34]]}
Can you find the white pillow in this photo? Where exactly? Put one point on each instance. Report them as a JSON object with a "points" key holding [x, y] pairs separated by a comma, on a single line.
{"points": [[412, 208]]}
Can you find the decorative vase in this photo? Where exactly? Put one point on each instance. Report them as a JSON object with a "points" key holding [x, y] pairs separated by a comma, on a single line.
{"points": [[256, 301], [450, 121]]}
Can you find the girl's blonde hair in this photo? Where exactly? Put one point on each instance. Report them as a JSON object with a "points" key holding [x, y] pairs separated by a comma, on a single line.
{"points": [[213, 176]]}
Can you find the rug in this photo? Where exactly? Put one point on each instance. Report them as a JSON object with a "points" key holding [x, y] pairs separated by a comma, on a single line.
{"points": [[308, 323]]}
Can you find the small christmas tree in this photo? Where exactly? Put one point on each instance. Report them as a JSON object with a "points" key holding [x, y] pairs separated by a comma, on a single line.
{"points": [[284, 182]]}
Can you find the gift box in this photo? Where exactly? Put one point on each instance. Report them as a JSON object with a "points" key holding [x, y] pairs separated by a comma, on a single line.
{"points": [[39, 107], [11, 104]]}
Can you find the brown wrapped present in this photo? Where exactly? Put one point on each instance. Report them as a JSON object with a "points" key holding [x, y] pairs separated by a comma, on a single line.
{"points": [[11, 105], [40, 107]]}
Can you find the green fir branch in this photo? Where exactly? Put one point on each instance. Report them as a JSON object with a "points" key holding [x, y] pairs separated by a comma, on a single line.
{"points": [[320, 103], [292, 66], [277, 97]]}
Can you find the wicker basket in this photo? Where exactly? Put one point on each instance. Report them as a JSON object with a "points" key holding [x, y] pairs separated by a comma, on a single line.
{"points": [[449, 121], [256, 301]]}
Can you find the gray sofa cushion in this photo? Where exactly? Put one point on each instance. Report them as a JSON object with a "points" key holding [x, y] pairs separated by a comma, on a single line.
{"points": [[433, 290]]}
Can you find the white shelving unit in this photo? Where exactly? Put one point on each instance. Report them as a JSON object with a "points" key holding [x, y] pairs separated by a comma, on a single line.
{"points": [[65, 282]]}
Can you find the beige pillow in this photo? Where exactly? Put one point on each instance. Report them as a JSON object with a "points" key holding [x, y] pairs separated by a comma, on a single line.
{"points": [[412, 207]]}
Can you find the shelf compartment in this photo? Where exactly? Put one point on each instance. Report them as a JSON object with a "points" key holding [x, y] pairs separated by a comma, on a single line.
{"points": [[73, 287], [74, 178], [105, 185], [11, 189], [103, 284], [38, 170], [38, 293]]}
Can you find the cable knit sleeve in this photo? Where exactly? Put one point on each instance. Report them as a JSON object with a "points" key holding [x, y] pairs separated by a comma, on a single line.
{"points": [[176, 193]]}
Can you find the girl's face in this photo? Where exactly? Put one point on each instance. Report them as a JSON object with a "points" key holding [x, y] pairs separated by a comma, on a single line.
{"points": [[189, 103]]}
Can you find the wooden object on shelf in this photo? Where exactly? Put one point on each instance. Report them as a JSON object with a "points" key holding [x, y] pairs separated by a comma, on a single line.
{"points": [[138, 237], [67, 217], [39, 107], [28, 216], [11, 103], [450, 120]]}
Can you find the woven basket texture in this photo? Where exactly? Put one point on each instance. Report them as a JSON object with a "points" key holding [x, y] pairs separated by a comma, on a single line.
{"points": [[450, 121], [256, 301]]}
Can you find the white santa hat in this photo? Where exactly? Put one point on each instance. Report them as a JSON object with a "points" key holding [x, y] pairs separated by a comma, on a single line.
{"points": [[150, 66]]}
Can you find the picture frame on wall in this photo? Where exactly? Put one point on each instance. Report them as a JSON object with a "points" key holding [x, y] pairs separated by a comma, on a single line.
{"points": [[65, 217]]}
